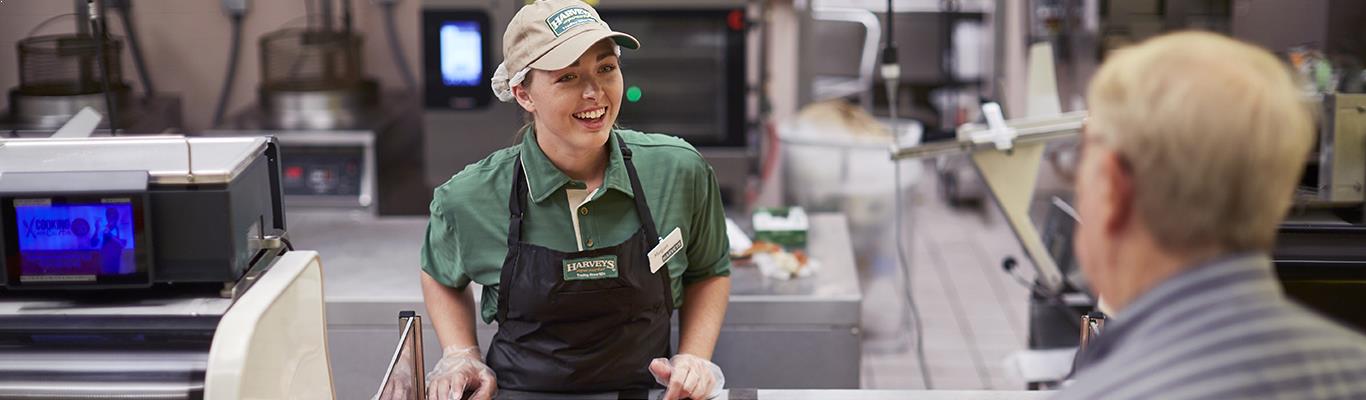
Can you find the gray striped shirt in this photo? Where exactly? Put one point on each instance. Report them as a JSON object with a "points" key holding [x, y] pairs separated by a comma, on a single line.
{"points": [[1223, 330]]}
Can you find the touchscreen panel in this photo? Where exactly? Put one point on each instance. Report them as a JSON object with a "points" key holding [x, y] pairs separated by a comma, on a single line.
{"points": [[462, 62], [456, 61], [75, 241]]}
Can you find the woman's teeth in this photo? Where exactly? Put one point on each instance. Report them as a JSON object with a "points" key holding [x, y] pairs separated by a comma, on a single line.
{"points": [[591, 114]]}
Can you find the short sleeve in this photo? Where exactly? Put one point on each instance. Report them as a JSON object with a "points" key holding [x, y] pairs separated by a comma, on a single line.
{"points": [[441, 248], [707, 247]]}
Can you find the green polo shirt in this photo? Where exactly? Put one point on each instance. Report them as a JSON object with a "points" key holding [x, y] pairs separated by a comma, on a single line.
{"points": [[467, 233]]}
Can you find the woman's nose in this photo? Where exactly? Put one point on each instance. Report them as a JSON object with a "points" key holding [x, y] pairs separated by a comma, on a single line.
{"points": [[592, 90]]}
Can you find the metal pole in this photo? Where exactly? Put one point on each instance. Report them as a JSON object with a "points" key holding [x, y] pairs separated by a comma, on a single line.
{"points": [[1030, 130], [82, 9]]}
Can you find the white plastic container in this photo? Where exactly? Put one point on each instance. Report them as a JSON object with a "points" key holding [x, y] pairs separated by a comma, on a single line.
{"points": [[829, 168]]}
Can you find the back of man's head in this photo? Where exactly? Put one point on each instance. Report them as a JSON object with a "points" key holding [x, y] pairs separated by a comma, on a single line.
{"points": [[1215, 133]]}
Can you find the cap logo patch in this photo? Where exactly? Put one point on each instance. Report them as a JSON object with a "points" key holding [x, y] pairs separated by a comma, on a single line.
{"points": [[569, 17]]}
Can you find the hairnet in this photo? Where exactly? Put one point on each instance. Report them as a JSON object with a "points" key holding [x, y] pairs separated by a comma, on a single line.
{"points": [[502, 83]]}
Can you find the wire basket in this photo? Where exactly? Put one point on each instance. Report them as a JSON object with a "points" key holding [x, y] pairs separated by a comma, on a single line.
{"points": [[67, 65], [301, 59]]}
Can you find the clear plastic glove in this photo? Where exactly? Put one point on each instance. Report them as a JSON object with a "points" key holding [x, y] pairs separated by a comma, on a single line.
{"points": [[461, 369], [688, 377], [400, 386]]}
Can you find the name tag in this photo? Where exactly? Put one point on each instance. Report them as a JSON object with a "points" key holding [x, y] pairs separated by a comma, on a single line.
{"points": [[666, 250], [581, 269]]}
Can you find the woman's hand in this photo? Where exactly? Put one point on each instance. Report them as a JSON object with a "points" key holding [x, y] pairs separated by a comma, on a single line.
{"points": [[461, 369], [400, 382], [688, 377]]}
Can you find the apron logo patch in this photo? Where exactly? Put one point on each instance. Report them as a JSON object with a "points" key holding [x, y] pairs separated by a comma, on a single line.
{"points": [[590, 268], [561, 21]]}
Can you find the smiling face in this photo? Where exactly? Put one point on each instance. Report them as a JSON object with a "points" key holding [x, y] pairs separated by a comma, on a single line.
{"points": [[577, 104]]}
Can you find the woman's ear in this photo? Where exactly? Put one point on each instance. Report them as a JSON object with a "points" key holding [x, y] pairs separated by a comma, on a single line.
{"points": [[524, 98]]}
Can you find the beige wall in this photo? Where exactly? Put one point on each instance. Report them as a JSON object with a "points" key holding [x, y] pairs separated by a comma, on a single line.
{"points": [[186, 42]]}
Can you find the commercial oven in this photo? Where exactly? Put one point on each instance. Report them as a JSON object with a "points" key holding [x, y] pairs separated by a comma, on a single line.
{"points": [[694, 77]]}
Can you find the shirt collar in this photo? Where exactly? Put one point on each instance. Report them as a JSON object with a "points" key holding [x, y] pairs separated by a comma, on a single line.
{"points": [[544, 179], [1207, 276]]}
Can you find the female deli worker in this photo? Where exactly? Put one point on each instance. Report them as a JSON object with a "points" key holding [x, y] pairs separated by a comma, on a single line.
{"points": [[559, 229]]}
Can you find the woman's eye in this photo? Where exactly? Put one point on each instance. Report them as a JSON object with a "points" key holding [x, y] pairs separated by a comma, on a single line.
{"points": [[565, 78], [607, 68]]}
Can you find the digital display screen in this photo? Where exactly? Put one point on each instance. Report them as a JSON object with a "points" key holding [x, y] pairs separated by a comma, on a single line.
{"points": [[324, 171], [456, 58], [462, 62], [75, 241]]}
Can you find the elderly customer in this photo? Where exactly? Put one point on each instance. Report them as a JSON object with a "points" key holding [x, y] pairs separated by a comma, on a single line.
{"points": [[1193, 148]]}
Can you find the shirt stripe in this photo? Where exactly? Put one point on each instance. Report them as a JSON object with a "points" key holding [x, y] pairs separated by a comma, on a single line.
{"points": [[1217, 331]]}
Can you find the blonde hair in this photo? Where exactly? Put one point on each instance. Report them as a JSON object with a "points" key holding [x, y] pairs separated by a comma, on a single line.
{"points": [[1215, 133]]}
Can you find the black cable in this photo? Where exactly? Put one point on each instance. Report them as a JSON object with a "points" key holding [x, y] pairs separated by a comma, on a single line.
{"points": [[308, 14], [916, 327], [125, 11], [99, 32], [288, 246], [891, 41], [50, 20], [892, 78], [1050, 298], [346, 15], [225, 94], [946, 20], [889, 58], [325, 8], [396, 48]]}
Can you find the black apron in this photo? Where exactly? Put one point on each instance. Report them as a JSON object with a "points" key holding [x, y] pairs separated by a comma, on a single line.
{"points": [[569, 322]]}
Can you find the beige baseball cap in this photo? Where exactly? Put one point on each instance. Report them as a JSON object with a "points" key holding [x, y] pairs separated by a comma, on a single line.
{"points": [[551, 34]]}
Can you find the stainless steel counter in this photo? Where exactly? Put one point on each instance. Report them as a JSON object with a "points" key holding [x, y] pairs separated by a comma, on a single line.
{"points": [[370, 269], [899, 395]]}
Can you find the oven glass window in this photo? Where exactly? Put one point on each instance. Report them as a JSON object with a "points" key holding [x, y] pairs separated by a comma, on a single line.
{"points": [[687, 79]]}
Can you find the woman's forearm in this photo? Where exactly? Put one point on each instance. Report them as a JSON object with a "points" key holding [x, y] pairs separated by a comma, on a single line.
{"points": [[451, 312], [700, 318]]}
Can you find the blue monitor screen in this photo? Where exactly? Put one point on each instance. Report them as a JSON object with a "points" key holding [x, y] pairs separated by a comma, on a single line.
{"points": [[75, 241], [462, 61]]}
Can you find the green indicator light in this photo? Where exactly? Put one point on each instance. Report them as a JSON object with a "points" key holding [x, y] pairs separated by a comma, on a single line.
{"points": [[633, 94]]}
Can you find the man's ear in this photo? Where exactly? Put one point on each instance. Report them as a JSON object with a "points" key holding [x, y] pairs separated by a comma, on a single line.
{"points": [[1120, 188], [524, 98]]}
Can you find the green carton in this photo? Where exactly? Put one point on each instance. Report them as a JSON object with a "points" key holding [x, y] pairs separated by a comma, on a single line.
{"points": [[784, 226]]}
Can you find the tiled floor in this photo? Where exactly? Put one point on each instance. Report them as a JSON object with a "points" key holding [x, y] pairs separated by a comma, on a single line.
{"points": [[973, 314]]}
